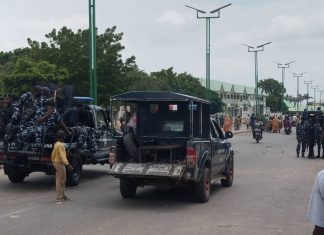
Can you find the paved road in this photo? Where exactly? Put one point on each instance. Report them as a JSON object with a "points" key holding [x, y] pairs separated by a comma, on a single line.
{"points": [[269, 196]]}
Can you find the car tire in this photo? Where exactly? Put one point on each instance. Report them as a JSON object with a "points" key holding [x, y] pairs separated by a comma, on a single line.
{"points": [[229, 173], [73, 177], [202, 188], [127, 187]]}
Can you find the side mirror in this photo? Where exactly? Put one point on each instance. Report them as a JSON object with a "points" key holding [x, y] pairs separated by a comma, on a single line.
{"points": [[228, 134]]}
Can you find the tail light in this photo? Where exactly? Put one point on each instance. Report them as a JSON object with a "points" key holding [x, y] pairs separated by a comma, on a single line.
{"points": [[46, 158], [191, 156]]}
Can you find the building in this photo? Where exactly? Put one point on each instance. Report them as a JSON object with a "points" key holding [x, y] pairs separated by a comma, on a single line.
{"points": [[239, 100]]}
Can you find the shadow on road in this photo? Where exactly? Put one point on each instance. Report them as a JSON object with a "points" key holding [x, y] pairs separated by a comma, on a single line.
{"points": [[38, 181], [150, 198]]}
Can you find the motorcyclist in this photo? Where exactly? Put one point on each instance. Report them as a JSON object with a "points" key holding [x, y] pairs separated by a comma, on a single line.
{"points": [[258, 124], [287, 124]]}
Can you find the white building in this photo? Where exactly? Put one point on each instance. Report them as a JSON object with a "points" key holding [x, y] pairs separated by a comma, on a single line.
{"points": [[239, 100]]}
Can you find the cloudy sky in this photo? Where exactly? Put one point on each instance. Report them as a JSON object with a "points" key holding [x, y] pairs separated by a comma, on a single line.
{"points": [[164, 33]]}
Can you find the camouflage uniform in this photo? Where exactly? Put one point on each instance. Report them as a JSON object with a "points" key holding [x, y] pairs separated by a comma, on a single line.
{"points": [[318, 138], [22, 117], [301, 133], [35, 133], [311, 138]]}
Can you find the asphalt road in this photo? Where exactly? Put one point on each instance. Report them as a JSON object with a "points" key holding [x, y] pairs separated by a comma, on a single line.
{"points": [[269, 196]]}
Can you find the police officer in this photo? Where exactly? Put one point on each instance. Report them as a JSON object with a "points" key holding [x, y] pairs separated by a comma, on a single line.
{"points": [[75, 118], [301, 133], [311, 137], [5, 113], [50, 119], [318, 138]]}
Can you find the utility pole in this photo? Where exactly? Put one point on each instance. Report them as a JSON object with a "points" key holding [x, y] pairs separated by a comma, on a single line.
{"points": [[298, 75], [321, 98], [307, 83], [255, 50], [283, 67], [92, 51], [315, 87], [199, 12]]}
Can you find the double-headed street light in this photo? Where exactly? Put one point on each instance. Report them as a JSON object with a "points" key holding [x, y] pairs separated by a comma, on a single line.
{"points": [[315, 87], [256, 50], [307, 83], [298, 75], [283, 67], [200, 16]]}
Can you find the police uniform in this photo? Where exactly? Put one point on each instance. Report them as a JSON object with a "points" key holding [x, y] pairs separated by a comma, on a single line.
{"points": [[318, 138], [311, 138], [301, 133]]}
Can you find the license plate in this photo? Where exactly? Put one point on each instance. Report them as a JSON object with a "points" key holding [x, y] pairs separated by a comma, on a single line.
{"points": [[32, 158]]}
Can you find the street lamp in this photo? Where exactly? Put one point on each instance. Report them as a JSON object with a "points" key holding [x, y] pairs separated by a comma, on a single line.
{"points": [[298, 75], [283, 68], [315, 87], [256, 50], [199, 12], [92, 51], [307, 83], [321, 97]]}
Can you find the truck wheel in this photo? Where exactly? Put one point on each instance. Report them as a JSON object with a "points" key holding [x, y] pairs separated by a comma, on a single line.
{"points": [[16, 178], [228, 181], [14, 175], [127, 187], [202, 188], [73, 177]]}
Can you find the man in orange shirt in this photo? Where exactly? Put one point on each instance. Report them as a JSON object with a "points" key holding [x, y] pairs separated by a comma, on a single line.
{"points": [[60, 161]]}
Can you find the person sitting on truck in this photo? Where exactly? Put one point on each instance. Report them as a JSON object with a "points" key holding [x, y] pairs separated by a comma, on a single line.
{"points": [[49, 120], [74, 118]]}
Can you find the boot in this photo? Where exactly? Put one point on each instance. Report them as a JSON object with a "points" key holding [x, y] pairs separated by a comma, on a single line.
{"points": [[303, 154], [297, 154]]}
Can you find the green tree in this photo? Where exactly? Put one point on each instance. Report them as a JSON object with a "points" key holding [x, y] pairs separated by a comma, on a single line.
{"points": [[216, 104], [274, 90], [26, 72]]}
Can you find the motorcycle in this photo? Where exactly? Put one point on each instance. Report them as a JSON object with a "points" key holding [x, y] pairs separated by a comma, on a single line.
{"points": [[257, 134], [288, 130]]}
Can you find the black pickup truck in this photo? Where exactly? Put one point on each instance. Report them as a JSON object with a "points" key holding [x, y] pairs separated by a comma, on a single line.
{"points": [[174, 142], [20, 163]]}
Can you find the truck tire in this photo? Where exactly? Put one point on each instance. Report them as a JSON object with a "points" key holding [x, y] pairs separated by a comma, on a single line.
{"points": [[14, 175], [73, 177], [202, 188], [16, 178], [127, 187], [228, 181]]}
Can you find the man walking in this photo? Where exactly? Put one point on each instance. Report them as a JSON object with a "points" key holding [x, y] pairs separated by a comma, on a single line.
{"points": [[60, 162]]}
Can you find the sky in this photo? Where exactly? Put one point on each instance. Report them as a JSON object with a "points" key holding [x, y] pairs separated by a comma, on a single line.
{"points": [[165, 33]]}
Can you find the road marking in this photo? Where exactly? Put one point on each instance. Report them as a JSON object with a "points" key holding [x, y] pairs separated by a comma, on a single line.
{"points": [[16, 214]]}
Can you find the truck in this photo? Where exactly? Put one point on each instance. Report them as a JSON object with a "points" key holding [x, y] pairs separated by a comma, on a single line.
{"points": [[18, 164], [174, 142]]}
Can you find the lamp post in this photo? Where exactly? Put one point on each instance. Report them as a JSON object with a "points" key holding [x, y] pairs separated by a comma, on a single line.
{"points": [[315, 87], [321, 98], [307, 83], [255, 50], [298, 75], [92, 52], [199, 16], [283, 67]]}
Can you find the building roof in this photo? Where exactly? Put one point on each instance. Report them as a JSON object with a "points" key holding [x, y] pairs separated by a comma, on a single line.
{"points": [[220, 86]]}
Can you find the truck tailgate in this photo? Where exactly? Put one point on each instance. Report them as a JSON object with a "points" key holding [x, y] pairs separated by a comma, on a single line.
{"points": [[148, 169]]}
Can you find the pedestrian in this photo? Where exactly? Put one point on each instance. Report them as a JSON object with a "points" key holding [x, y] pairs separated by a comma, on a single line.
{"points": [[274, 124], [60, 161], [227, 123], [315, 212]]}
